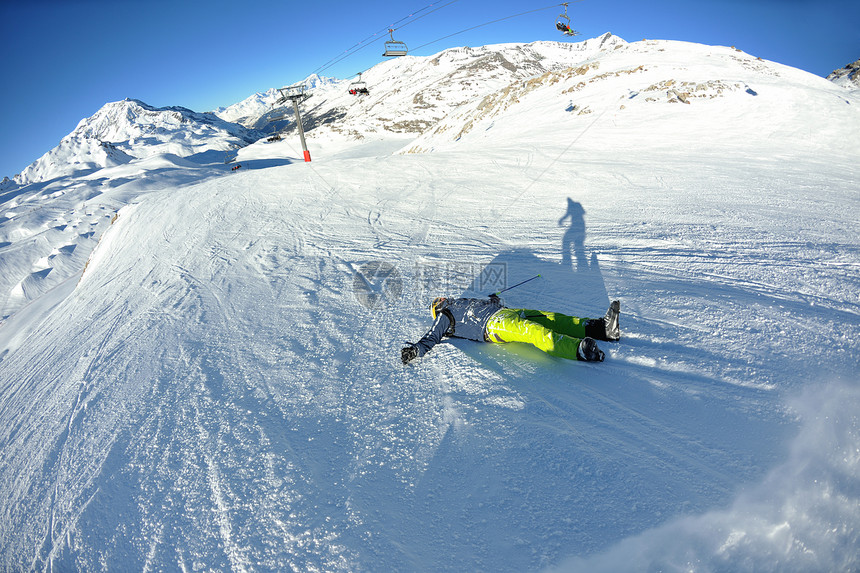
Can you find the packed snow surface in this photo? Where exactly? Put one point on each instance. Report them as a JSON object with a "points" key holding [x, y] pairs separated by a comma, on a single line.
{"points": [[199, 363]]}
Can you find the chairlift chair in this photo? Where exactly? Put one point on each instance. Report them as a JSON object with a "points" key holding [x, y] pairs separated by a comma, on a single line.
{"points": [[563, 23], [277, 114], [358, 87], [394, 47]]}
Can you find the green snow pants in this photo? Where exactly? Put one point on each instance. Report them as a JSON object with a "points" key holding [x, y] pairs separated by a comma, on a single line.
{"points": [[554, 333]]}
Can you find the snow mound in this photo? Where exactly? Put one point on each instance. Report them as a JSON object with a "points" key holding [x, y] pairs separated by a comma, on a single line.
{"points": [[801, 517], [140, 167], [74, 154]]}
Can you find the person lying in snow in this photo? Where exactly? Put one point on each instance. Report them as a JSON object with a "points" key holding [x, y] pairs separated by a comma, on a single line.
{"points": [[485, 320]]}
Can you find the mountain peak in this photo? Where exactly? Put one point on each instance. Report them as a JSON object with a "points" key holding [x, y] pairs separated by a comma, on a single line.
{"points": [[129, 129], [848, 77]]}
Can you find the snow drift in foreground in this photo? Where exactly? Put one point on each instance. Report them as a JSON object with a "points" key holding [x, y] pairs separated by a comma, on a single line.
{"points": [[802, 517]]}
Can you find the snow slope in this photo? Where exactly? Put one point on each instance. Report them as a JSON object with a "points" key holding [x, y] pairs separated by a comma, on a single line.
{"points": [[221, 388]]}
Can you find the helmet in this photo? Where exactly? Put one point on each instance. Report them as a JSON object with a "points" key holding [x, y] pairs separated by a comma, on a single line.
{"points": [[436, 305]]}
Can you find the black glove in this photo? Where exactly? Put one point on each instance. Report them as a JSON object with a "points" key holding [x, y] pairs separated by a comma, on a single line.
{"points": [[408, 354], [495, 298]]}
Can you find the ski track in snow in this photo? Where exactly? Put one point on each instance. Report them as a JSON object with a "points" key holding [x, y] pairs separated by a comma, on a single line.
{"points": [[213, 394]]}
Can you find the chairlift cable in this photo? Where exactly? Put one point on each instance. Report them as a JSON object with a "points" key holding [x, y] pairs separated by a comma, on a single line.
{"points": [[492, 22], [419, 17], [393, 26], [378, 35], [341, 58], [346, 53]]}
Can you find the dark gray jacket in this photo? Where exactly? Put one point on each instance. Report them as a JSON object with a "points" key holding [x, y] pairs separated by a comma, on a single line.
{"points": [[461, 318]]}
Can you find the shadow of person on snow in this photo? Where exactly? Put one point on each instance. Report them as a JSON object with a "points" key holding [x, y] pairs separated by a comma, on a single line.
{"points": [[575, 235], [572, 288]]}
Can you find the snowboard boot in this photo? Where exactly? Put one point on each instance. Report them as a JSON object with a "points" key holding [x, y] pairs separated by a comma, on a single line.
{"points": [[610, 320], [605, 328], [588, 351]]}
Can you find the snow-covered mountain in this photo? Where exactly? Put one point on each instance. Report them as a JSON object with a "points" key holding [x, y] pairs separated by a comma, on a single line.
{"points": [[130, 129], [653, 86], [249, 108], [409, 95], [848, 76], [199, 361], [256, 111]]}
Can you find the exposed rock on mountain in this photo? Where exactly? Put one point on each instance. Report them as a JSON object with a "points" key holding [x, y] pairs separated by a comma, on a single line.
{"points": [[847, 76]]}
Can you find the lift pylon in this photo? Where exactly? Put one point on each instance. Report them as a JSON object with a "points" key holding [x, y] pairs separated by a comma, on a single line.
{"points": [[297, 94]]}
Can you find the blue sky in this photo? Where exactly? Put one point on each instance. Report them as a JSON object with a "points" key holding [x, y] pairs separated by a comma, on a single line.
{"points": [[63, 60]]}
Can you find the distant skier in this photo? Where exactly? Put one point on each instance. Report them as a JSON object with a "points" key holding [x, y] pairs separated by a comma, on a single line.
{"points": [[488, 320]]}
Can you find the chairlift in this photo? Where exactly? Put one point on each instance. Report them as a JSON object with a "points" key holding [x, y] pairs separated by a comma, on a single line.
{"points": [[563, 23], [358, 87], [394, 47], [277, 114]]}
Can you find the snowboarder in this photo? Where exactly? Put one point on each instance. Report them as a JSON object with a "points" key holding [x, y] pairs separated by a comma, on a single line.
{"points": [[488, 320]]}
